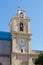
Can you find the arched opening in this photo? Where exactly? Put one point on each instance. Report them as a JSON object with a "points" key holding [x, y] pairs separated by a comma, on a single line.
{"points": [[21, 14], [21, 26], [21, 50]]}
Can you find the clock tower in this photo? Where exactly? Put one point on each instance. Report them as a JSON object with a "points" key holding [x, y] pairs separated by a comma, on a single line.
{"points": [[21, 36]]}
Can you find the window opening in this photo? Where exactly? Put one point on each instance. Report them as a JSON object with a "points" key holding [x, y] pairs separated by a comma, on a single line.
{"points": [[21, 50], [21, 26]]}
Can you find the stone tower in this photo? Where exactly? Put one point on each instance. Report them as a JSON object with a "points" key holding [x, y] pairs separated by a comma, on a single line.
{"points": [[20, 31]]}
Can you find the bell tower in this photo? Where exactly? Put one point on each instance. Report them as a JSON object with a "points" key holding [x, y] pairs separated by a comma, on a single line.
{"points": [[21, 36]]}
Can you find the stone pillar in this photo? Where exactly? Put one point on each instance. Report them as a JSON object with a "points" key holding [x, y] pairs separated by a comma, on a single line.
{"points": [[13, 45], [29, 47], [13, 60], [30, 61]]}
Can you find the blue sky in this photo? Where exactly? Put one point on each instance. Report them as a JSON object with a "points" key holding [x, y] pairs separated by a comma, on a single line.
{"points": [[34, 9]]}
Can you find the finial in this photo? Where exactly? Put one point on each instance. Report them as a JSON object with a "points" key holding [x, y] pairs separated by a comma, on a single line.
{"points": [[18, 8]]}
